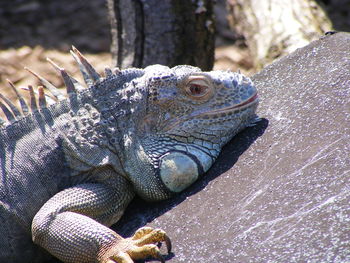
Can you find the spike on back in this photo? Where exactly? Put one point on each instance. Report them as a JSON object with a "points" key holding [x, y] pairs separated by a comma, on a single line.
{"points": [[68, 82], [42, 99], [90, 75], [13, 108], [33, 105], [12, 113], [54, 91], [116, 71], [48, 99], [22, 102], [10, 117], [108, 72], [2, 122]]}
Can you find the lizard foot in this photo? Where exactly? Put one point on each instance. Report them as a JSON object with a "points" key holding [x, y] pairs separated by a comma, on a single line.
{"points": [[140, 246]]}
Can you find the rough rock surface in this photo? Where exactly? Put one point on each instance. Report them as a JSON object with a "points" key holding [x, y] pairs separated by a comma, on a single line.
{"points": [[280, 192]]}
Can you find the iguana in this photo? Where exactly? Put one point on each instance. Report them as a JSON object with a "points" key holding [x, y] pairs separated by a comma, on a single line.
{"points": [[70, 169]]}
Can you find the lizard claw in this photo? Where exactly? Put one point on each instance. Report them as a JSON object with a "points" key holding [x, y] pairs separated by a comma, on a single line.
{"points": [[146, 235], [168, 244], [140, 246]]}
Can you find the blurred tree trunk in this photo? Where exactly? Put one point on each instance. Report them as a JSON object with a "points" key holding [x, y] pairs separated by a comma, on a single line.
{"points": [[168, 32], [274, 28]]}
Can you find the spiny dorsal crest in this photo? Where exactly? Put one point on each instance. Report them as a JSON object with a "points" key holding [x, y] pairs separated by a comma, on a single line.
{"points": [[90, 77]]}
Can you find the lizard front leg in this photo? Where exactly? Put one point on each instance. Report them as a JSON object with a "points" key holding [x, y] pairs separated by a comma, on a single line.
{"points": [[72, 226]]}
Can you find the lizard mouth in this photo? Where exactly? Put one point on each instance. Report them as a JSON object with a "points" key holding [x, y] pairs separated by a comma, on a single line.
{"points": [[244, 104]]}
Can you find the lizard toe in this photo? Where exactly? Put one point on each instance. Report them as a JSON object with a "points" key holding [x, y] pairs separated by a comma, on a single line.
{"points": [[141, 245], [148, 235]]}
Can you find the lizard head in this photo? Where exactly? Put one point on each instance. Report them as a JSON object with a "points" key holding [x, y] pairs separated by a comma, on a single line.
{"points": [[190, 115]]}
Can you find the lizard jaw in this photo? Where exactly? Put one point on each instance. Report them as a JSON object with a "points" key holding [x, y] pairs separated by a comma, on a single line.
{"points": [[244, 104]]}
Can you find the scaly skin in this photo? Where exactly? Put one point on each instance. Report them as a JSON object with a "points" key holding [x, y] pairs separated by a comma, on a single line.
{"points": [[69, 170]]}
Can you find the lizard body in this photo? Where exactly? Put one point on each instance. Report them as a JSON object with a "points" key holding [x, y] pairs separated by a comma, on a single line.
{"points": [[69, 170]]}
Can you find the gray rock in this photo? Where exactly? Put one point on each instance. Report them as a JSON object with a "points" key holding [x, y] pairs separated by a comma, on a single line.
{"points": [[280, 191]]}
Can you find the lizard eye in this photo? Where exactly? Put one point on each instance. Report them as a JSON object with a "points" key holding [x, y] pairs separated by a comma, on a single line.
{"points": [[198, 87], [196, 90]]}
